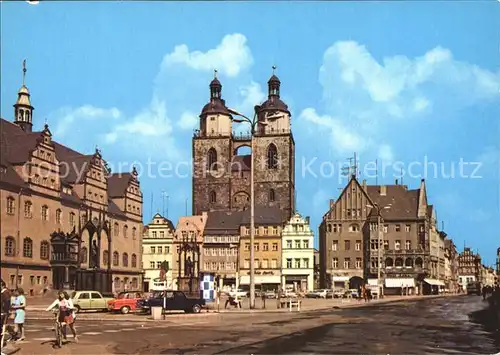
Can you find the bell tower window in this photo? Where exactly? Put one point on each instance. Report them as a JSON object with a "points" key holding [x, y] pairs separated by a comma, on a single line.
{"points": [[272, 195], [212, 159], [272, 157], [213, 197]]}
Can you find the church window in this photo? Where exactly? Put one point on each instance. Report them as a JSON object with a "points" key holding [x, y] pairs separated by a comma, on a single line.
{"points": [[212, 159], [272, 196], [213, 197], [272, 157]]}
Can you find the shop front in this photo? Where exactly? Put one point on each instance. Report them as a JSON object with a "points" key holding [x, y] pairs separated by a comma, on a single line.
{"points": [[262, 282]]}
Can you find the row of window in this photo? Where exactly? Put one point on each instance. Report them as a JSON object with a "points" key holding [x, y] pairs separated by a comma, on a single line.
{"points": [[158, 264], [265, 246], [218, 266], [337, 228], [264, 264], [45, 216], [272, 161], [155, 234], [34, 280], [297, 263], [347, 245], [299, 244], [125, 284], [158, 249], [389, 263], [397, 245], [213, 196], [262, 231], [105, 258], [221, 251], [10, 248]]}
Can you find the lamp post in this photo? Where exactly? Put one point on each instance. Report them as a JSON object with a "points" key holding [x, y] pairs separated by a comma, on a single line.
{"points": [[253, 124], [380, 245]]}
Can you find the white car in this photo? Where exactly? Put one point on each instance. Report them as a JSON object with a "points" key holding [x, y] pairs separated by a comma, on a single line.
{"points": [[238, 293]]}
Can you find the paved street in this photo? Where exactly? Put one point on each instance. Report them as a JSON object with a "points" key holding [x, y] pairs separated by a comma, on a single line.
{"points": [[435, 325]]}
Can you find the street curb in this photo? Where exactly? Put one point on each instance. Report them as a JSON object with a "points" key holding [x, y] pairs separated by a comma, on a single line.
{"points": [[135, 320]]}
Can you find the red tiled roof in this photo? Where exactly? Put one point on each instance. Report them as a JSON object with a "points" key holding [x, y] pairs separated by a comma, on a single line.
{"points": [[404, 202]]}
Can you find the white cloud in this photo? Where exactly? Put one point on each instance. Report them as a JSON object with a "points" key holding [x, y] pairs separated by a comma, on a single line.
{"points": [[151, 121], [188, 120], [251, 95], [230, 57], [385, 153], [343, 138], [66, 116], [361, 93]]}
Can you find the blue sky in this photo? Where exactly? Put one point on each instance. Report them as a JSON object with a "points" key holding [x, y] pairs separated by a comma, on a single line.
{"points": [[399, 82]]}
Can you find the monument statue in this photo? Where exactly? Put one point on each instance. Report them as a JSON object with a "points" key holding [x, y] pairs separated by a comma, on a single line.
{"points": [[188, 267], [94, 254]]}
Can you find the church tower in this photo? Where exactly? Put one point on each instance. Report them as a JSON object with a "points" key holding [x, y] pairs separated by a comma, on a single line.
{"points": [[212, 153], [274, 149], [23, 111]]}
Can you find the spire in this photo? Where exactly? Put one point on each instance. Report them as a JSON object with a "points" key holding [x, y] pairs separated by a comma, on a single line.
{"points": [[215, 87], [274, 84], [23, 111]]}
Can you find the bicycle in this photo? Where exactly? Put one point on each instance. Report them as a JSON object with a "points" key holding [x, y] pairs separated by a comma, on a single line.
{"points": [[59, 329]]}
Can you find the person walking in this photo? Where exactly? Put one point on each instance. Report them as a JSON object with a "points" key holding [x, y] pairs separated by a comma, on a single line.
{"points": [[5, 311], [19, 307], [71, 319]]}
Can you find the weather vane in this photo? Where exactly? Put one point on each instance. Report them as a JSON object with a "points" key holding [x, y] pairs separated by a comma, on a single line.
{"points": [[274, 68], [215, 73], [24, 71]]}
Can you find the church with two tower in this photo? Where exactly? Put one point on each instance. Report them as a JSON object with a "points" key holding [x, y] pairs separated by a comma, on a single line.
{"points": [[221, 172]]}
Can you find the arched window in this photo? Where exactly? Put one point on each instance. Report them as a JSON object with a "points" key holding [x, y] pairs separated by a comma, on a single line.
{"points": [[419, 262], [27, 248], [72, 219], [272, 157], [125, 231], [409, 262], [134, 232], [10, 246], [117, 284], [58, 216], [135, 284], [45, 213], [213, 197], [11, 206], [354, 228], [84, 255], [116, 229], [272, 196], [105, 258], [329, 228], [212, 159], [389, 262], [28, 213], [44, 250], [134, 260], [116, 258], [399, 262], [125, 259]]}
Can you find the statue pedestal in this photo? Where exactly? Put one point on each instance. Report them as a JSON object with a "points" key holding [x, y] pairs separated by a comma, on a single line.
{"points": [[189, 285]]}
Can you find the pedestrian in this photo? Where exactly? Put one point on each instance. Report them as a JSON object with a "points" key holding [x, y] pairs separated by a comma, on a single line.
{"points": [[5, 310], [19, 307], [70, 320]]}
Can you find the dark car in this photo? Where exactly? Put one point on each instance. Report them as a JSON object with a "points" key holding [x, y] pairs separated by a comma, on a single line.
{"points": [[176, 301]]}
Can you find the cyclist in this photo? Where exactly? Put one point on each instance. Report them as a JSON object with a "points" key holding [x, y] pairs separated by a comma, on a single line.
{"points": [[71, 324], [65, 312]]}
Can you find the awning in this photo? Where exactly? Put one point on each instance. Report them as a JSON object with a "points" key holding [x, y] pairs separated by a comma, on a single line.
{"points": [[434, 282], [398, 283], [340, 278], [261, 279], [372, 282]]}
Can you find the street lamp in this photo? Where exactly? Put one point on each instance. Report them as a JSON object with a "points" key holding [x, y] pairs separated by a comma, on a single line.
{"points": [[253, 123], [380, 246]]}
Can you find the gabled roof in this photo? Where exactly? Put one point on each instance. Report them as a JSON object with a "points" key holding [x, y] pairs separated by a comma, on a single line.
{"points": [[118, 184], [404, 202]]}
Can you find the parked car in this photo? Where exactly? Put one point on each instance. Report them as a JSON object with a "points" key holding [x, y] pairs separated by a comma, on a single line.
{"points": [[90, 300], [338, 293], [176, 301], [125, 302], [312, 294], [270, 294]]}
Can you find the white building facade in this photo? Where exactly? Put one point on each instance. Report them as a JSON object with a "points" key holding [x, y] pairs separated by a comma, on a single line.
{"points": [[157, 249], [298, 255]]}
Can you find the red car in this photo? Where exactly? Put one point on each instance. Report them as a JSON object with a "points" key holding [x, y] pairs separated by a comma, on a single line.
{"points": [[125, 302]]}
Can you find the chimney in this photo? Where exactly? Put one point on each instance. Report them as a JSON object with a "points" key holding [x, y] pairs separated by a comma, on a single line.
{"points": [[383, 190], [332, 203], [396, 183], [308, 219], [364, 184]]}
